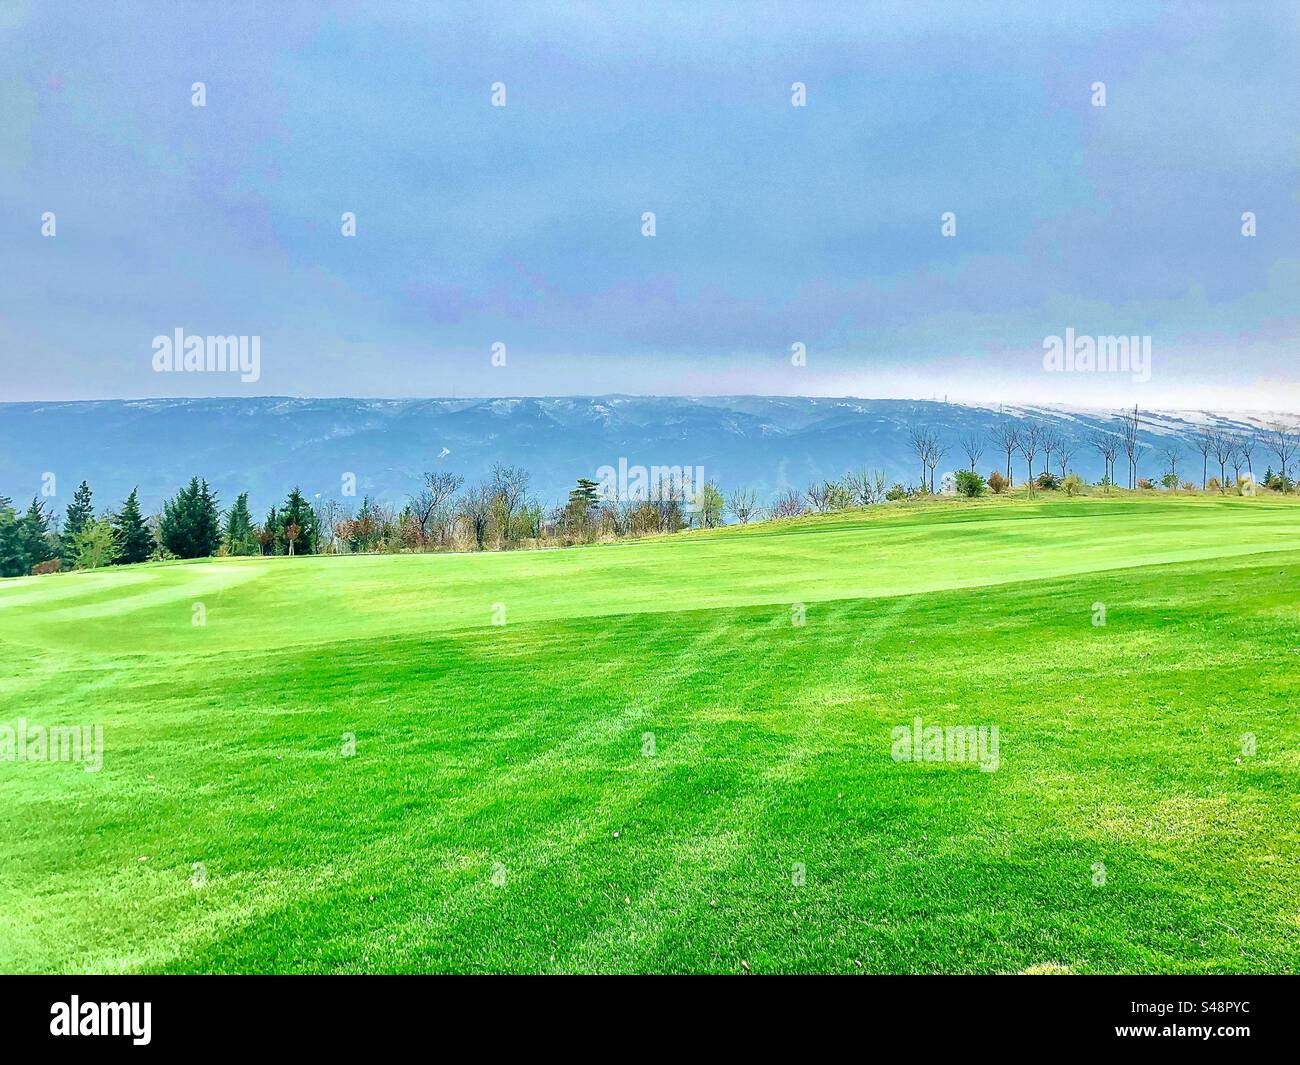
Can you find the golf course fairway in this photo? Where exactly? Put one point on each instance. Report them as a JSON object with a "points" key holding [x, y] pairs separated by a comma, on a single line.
{"points": [[678, 754]]}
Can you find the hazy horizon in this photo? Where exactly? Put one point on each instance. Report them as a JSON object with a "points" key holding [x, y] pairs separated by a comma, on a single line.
{"points": [[982, 404]]}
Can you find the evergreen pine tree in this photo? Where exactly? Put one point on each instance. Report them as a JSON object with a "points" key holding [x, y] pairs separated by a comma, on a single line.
{"points": [[207, 524], [239, 539], [584, 497], [191, 523], [134, 540], [365, 530], [13, 562], [174, 525], [34, 534], [297, 511], [274, 532], [80, 511]]}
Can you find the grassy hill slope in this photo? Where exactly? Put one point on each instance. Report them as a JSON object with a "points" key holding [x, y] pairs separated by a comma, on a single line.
{"points": [[651, 767]]}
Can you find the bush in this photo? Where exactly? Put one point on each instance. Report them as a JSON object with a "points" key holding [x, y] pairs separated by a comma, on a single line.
{"points": [[1072, 485], [896, 492], [1145, 484], [969, 483], [997, 483], [1049, 480]]}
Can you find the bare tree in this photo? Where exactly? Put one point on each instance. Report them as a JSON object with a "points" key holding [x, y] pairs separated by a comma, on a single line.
{"points": [[1281, 441], [865, 487], [668, 501], [1246, 445], [1133, 446], [1065, 449], [1106, 443], [1204, 443], [857, 483], [974, 447], [923, 443], [1006, 438], [1173, 454], [1050, 440], [1221, 445], [476, 508], [937, 452], [816, 495], [1237, 457], [879, 486], [330, 512], [789, 504], [509, 485], [742, 503], [828, 495], [616, 515], [431, 503], [1031, 438]]}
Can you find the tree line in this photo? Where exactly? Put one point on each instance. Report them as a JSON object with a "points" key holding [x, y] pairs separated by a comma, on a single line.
{"points": [[500, 513], [1030, 438]]}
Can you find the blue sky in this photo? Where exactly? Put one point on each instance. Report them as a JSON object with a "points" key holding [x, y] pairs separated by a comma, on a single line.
{"points": [[774, 224]]}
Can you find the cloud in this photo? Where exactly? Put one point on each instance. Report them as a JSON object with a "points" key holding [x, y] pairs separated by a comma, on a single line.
{"points": [[522, 224]]}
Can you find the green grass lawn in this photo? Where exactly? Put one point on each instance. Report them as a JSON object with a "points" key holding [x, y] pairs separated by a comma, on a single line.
{"points": [[632, 771]]}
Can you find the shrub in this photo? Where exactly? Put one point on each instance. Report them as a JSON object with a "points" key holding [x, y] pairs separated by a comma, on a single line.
{"points": [[997, 483], [896, 492], [1145, 483], [1188, 486], [1212, 485], [969, 483], [1072, 485], [1049, 480], [1277, 482], [94, 545]]}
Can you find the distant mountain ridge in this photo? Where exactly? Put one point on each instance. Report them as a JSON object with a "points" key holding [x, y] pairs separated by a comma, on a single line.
{"points": [[266, 445]]}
